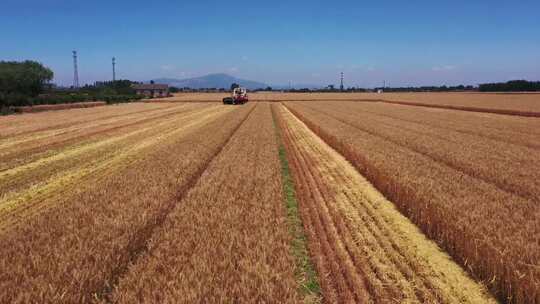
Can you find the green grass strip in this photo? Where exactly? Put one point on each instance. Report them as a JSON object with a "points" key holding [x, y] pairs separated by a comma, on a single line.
{"points": [[305, 272]]}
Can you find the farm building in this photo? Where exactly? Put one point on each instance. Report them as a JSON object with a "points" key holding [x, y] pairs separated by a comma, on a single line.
{"points": [[152, 90]]}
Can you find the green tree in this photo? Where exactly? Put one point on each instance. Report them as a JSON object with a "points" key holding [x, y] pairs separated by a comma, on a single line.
{"points": [[20, 81], [26, 78]]}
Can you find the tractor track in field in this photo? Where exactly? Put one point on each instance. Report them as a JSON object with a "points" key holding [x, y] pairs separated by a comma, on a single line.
{"points": [[138, 246], [364, 250]]}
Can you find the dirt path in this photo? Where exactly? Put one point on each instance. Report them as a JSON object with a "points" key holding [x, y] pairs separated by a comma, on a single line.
{"points": [[363, 248]]}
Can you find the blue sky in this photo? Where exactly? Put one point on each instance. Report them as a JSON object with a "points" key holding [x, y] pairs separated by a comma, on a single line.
{"points": [[402, 42]]}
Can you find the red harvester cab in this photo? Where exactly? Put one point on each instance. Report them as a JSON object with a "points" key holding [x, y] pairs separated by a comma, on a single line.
{"points": [[238, 96]]}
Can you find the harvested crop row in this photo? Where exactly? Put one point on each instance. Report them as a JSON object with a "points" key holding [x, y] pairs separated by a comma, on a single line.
{"points": [[366, 250], [528, 103], [193, 97], [465, 108], [60, 106], [520, 103], [512, 168], [20, 125], [492, 233], [34, 172], [17, 153], [227, 240], [15, 206], [305, 271], [508, 129], [104, 119], [78, 249]]}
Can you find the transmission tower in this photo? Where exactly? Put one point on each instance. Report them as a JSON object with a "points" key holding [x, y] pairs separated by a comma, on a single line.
{"points": [[75, 71], [113, 69], [341, 85]]}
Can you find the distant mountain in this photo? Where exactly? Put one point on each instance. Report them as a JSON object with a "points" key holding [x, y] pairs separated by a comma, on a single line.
{"points": [[211, 81]]}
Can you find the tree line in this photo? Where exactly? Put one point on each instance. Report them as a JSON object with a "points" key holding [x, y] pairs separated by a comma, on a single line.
{"points": [[20, 81], [27, 83], [511, 86]]}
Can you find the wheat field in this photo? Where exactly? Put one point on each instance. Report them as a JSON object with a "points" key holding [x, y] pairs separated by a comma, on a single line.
{"points": [[290, 198]]}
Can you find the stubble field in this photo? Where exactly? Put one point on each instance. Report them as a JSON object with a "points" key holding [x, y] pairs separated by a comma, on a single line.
{"points": [[305, 199], [521, 104]]}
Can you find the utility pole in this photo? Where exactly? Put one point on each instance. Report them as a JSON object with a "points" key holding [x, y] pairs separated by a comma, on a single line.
{"points": [[341, 86], [75, 71], [113, 69]]}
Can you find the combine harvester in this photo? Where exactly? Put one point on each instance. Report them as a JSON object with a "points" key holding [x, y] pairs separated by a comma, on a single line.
{"points": [[238, 96]]}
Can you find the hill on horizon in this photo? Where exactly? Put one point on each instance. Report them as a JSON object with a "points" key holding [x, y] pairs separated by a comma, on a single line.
{"points": [[219, 80]]}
